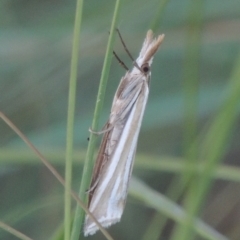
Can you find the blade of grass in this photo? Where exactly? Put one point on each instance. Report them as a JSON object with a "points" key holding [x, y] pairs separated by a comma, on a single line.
{"points": [[154, 229], [213, 148], [70, 119], [166, 164], [190, 89], [173, 192], [14, 232], [160, 203], [53, 171], [156, 21], [88, 166]]}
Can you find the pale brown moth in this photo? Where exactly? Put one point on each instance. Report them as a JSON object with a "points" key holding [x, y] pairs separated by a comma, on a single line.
{"points": [[113, 167]]}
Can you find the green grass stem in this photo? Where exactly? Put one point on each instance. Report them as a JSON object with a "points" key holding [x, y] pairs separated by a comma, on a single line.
{"points": [[88, 166], [70, 119]]}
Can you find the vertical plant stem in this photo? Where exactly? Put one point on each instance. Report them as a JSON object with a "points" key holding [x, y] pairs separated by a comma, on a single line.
{"points": [[88, 166], [214, 146], [190, 87], [157, 19], [70, 119], [191, 75]]}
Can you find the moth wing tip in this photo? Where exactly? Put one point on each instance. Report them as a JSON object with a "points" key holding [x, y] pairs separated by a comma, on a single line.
{"points": [[161, 37], [91, 228]]}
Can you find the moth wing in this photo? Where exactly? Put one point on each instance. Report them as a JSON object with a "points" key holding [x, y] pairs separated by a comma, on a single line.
{"points": [[112, 188], [122, 104]]}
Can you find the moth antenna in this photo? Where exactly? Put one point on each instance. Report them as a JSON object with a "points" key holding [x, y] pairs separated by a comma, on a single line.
{"points": [[124, 45], [127, 51]]}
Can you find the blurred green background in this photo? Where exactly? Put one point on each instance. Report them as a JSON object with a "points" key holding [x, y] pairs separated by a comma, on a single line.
{"points": [[191, 77]]}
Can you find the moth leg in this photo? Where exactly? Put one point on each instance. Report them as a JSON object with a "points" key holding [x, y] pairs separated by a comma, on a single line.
{"points": [[120, 61], [102, 131], [93, 186]]}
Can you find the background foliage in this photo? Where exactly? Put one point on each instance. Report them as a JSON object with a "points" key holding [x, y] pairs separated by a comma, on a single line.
{"points": [[194, 83]]}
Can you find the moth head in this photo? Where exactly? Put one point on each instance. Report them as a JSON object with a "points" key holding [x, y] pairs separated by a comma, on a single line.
{"points": [[145, 68], [149, 48]]}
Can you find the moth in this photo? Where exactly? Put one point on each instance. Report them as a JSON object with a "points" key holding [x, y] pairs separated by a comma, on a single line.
{"points": [[113, 167]]}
